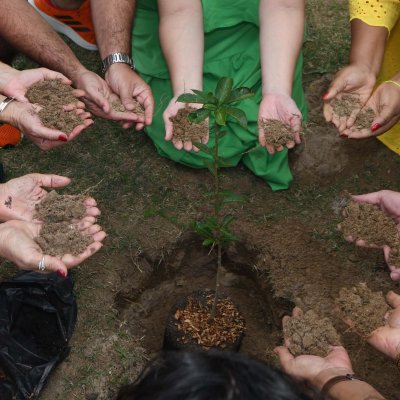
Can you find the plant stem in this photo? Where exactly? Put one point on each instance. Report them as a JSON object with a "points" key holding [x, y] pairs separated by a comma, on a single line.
{"points": [[217, 209]]}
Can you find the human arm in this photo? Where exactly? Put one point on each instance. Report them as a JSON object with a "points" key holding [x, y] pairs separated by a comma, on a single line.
{"points": [[281, 37], [318, 371], [25, 30], [182, 42], [113, 26], [17, 245], [389, 202], [19, 196], [368, 41]]}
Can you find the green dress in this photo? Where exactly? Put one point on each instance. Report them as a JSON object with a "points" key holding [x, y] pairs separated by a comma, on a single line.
{"points": [[231, 49]]}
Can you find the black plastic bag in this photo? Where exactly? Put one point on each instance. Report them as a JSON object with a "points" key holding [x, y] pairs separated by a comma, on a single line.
{"points": [[37, 319]]}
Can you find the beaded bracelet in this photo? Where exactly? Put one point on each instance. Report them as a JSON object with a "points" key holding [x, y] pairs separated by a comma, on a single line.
{"points": [[394, 83]]}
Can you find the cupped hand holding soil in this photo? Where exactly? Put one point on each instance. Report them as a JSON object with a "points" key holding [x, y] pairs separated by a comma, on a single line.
{"points": [[372, 317], [59, 108], [372, 220], [277, 135], [68, 225], [307, 333], [180, 130]]}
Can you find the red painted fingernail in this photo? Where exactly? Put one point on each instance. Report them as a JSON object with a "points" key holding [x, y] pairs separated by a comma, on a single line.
{"points": [[63, 138], [61, 273], [375, 127], [325, 95]]}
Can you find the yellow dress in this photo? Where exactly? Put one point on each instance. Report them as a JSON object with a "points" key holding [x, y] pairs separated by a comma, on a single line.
{"points": [[383, 13]]}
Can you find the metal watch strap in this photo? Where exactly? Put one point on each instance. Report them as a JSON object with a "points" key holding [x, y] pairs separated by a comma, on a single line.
{"points": [[5, 103], [114, 58]]}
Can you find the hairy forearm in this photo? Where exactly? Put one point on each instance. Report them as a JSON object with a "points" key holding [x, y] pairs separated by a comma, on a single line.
{"points": [[113, 25], [367, 45], [182, 42], [281, 37], [24, 29]]}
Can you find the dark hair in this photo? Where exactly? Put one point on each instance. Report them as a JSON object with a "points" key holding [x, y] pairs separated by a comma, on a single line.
{"points": [[213, 375]]}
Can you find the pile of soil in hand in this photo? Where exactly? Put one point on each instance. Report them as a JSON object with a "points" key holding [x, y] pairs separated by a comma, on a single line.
{"points": [[193, 321], [185, 130], [57, 208], [59, 234], [119, 107], [365, 308], [368, 222], [345, 106], [310, 334], [52, 96], [276, 132]]}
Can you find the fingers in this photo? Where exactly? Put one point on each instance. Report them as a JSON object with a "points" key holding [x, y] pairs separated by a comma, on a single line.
{"points": [[169, 127], [72, 261], [148, 105], [372, 198], [53, 264], [393, 299], [285, 357], [51, 180], [44, 133]]}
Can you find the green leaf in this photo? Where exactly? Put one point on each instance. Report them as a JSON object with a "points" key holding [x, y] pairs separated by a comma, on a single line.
{"points": [[238, 115], [210, 165], [239, 94], [190, 98], [208, 242], [211, 99], [220, 117], [227, 220], [203, 147], [221, 134], [223, 89], [198, 116], [200, 93], [211, 107]]}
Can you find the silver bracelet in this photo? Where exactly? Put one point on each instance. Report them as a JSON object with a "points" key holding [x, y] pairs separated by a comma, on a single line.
{"points": [[5, 103], [114, 58]]}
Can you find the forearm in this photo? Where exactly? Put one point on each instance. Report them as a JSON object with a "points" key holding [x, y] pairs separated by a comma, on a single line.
{"points": [[367, 45], [26, 31], [182, 42], [281, 37], [113, 25]]}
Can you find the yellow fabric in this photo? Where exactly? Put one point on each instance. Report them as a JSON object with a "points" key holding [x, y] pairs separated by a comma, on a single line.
{"points": [[383, 13]]}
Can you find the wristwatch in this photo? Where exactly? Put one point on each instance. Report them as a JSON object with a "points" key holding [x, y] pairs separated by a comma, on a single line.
{"points": [[114, 58]]}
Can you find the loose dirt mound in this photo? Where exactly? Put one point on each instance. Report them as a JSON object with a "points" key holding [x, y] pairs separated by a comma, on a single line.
{"points": [[52, 96], [187, 131], [276, 133], [365, 308], [365, 118], [310, 334], [59, 235], [119, 107]]}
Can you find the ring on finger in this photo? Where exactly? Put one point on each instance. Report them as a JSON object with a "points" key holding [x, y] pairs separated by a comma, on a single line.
{"points": [[42, 264]]}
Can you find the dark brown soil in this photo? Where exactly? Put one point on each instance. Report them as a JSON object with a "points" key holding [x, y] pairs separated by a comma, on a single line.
{"points": [[56, 208], [52, 96], [364, 307], [310, 334], [185, 130], [194, 326], [344, 106], [59, 238], [119, 107], [276, 133], [59, 234], [369, 223]]}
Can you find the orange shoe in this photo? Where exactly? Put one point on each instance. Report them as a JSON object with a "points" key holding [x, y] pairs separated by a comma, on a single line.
{"points": [[9, 136], [76, 24]]}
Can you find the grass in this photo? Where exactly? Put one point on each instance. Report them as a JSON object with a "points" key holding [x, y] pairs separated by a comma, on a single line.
{"points": [[147, 202]]}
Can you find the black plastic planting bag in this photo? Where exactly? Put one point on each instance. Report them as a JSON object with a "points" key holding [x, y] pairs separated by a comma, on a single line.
{"points": [[37, 319]]}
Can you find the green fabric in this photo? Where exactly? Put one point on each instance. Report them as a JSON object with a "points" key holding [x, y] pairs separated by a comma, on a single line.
{"points": [[231, 49]]}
